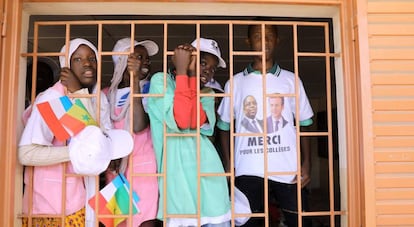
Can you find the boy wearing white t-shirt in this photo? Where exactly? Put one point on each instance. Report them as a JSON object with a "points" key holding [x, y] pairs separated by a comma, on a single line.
{"points": [[281, 144]]}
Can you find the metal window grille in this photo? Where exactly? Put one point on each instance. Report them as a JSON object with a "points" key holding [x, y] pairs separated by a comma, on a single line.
{"points": [[49, 36]]}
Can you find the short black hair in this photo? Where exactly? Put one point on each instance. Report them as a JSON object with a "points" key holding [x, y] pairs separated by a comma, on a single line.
{"points": [[250, 27]]}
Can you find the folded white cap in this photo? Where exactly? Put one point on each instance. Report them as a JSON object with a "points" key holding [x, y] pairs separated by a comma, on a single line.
{"points": [[241, 206], [91, 150]]}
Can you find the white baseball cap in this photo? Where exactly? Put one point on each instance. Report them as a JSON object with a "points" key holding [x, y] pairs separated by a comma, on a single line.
{"points": [[92, 149], [210, 46], [124, 44]]}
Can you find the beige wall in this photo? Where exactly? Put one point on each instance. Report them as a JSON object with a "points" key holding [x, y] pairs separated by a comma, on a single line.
{"points": [[391, 58]]}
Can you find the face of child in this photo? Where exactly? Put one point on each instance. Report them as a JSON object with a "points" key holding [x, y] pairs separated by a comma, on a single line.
{"points": [[208, 67], [140, 53], [83, 65], [255, 39]]}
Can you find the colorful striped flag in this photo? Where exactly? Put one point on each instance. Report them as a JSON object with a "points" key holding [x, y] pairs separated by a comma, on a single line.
{"points": [[64, 118], [114, 199]]}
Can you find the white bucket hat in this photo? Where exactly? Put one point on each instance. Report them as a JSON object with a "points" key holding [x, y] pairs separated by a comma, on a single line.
{"points": [[91, 150], [210, 46], [124, 44]]}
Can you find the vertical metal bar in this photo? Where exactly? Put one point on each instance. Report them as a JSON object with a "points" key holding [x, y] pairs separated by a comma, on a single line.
{"points": [[99, 74], [67, 60], [231, 60], [198, 125], [297, 122], [63, 207], [329, 122], [30, 169], [131, 127], [264, 133], [98, 112], [164, 158], [34, 62]]}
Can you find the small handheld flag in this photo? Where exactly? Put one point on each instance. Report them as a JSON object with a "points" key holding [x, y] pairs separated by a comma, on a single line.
{"points": [[114, 199], [64, 118]]}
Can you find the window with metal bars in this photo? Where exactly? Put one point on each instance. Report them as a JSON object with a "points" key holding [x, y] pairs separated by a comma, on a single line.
{"points": [[305, 48]]}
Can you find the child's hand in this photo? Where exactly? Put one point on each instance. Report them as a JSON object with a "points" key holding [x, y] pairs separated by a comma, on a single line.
{"points": [[192, 67], [306, 178], [134, 65], [69, 80], [182, 59]]}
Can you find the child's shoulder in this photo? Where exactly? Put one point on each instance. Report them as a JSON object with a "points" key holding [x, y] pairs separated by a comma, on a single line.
{"points": [[286, 73], [157, 82], [207, 90], [47, 95], [159, 77], [105, 90], [239, 76], [161, 74], [156, 75]]}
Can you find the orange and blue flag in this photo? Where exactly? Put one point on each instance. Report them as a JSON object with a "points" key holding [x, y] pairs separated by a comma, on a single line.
{"points": [[64, 118], [115, 199]]}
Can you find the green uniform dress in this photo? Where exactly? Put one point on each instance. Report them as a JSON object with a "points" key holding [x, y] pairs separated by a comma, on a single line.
{"points": [[181, 159]]}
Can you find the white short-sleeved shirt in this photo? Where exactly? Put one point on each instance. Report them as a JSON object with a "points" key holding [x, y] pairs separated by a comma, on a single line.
{"points": [[281, 145]]}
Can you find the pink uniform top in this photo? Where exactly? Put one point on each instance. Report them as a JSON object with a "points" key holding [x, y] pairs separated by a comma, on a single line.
{"points": [[48, 180]]}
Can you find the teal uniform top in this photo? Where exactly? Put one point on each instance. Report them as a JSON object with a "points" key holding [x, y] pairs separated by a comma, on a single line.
{"points": [[181, 158]]}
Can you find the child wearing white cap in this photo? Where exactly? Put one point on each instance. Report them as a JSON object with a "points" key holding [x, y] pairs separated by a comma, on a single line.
{"points": [[40, 148], [177, 110], [143, 157]]}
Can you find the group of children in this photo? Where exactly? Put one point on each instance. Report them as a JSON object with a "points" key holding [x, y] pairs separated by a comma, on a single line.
{"points": [[165, 129]]}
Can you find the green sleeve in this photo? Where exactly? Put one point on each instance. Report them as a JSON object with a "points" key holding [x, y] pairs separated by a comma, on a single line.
{"points": [[209, 109], [160, 111], [223, 125], [307, 122]]}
